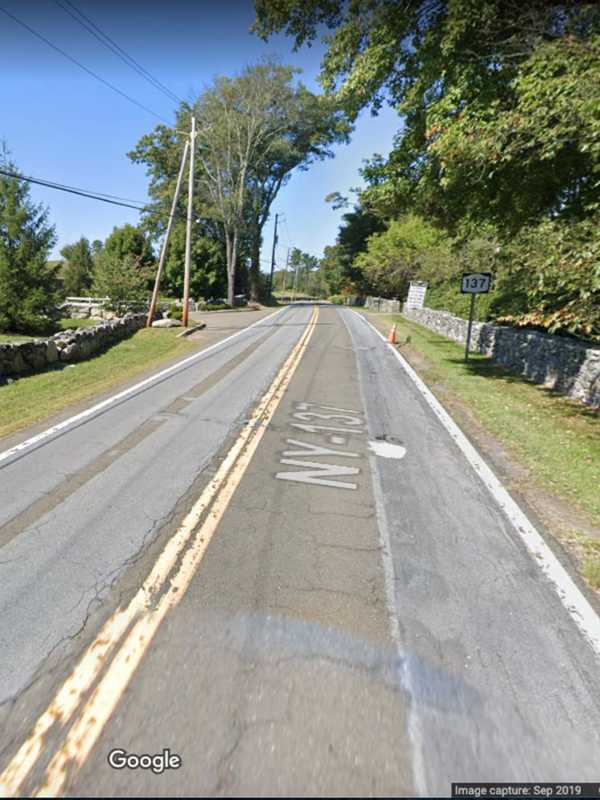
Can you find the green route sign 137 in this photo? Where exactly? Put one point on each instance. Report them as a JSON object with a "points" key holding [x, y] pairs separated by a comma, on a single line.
{"points": [[475, 282]]}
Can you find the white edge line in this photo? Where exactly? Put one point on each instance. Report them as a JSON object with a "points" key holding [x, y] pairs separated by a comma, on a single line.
{"points": [[415, 733], [578, 607], [126, 392]]}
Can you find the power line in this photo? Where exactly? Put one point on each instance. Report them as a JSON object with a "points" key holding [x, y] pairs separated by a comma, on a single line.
{"points": [[103, 198], [83, 20], [73, 190], [83, 67]]}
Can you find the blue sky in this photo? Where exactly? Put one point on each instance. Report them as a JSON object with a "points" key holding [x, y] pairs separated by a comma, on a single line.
{"points": [[61, 124]]}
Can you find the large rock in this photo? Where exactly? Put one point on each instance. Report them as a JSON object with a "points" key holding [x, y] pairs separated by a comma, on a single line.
{"points": [[70, 353], [167, 323]]}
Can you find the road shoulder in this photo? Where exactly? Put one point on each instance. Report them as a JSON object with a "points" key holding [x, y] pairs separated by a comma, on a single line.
{"points": [[572, 534], [216, 330]]}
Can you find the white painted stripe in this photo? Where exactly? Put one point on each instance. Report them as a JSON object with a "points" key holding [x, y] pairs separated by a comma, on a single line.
{"points": [[89, 412], [571, 596]]}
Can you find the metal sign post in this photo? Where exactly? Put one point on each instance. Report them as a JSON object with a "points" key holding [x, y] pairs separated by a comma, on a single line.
{"points": [[474, 283], [471, 311]]}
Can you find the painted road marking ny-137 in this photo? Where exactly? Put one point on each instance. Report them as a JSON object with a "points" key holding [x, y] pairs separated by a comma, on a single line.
{"points": [[317, 472]]}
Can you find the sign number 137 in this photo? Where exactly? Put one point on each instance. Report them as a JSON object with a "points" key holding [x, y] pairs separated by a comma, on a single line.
{"points": [[476, 282]]}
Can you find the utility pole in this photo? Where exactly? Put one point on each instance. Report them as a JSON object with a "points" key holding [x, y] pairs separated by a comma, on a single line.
{"points": [[287, 261], [273, 258], [295, 281], [188, 231], [163, 252]]}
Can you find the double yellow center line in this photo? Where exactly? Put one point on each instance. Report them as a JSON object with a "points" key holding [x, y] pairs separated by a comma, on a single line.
{"points": [[86, 700]]}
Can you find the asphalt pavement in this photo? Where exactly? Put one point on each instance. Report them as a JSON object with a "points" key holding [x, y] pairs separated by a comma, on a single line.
{"points": [[364, 620]]}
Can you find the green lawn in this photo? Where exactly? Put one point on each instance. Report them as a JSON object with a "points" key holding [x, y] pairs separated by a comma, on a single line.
{"points": [[558, 440], [78, 323], [63, 324], [36, 396]]}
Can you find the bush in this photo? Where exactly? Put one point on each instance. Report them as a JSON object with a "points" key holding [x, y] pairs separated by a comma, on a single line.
{"points": [[337, 299], [121, 280], [214, 307], [554, 281], [175, 311]]}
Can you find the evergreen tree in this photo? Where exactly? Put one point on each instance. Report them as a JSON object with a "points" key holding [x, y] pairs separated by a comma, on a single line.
{"points": [[78, 271], [29, 287]]}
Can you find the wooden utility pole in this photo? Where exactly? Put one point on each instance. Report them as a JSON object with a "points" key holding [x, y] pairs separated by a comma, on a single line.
{"points": [[163, 252], [295, 286], [287, 261], [188, 230], [273, 258]]}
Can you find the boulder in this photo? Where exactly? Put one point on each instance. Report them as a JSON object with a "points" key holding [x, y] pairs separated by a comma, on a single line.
{"points": [[167, 323], [70, 352]]}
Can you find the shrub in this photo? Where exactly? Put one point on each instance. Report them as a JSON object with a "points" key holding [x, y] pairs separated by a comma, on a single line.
{"points": [[175, 311], [214, 307], [121, 280]]}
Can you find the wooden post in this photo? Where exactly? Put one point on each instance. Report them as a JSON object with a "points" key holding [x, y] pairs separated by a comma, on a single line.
{"points": [[163, 252], [188, 230]]}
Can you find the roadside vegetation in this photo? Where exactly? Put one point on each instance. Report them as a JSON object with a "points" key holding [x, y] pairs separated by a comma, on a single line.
{"points": [[496, 162], [33, 397]]}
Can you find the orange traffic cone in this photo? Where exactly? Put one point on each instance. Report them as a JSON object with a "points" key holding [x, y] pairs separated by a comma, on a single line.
{"points": [[392, 335]]}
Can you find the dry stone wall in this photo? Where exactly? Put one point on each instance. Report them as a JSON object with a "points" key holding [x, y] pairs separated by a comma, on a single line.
{"points": [[558, 362], [67, 346]]}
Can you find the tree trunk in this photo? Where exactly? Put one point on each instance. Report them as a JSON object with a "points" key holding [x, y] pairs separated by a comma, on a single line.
{"points": [[254, 276], [231, 250]]}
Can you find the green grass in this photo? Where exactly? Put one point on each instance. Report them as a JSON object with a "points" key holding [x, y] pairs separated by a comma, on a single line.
{"points": [[63, 324], [13, 338], [587, 552], [78, 323], [558, 440], [36, 396]]}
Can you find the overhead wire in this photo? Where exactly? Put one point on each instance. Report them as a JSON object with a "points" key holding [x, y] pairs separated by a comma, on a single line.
{"points": [[78, 15], [82, 66], [114, 200]]}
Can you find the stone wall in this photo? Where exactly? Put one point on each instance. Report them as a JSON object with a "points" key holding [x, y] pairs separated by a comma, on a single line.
{"points": [[382, 304], [67, 346], [559, 363]]}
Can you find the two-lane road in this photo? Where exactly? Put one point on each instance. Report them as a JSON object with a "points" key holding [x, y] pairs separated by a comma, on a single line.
{"points": [[337, 604]]}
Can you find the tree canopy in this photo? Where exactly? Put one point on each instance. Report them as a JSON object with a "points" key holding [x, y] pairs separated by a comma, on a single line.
{"points": [[500, 137], [78, 271], [254, 129]]}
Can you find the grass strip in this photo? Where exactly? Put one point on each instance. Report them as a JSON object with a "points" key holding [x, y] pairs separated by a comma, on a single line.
{"points": [[556, 439], [33, 397]]}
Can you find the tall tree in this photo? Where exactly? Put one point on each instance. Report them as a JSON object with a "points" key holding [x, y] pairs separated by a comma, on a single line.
{"points": [[29, 287], [129, 242], [253, 131], [78, 271], [499, 100]]}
